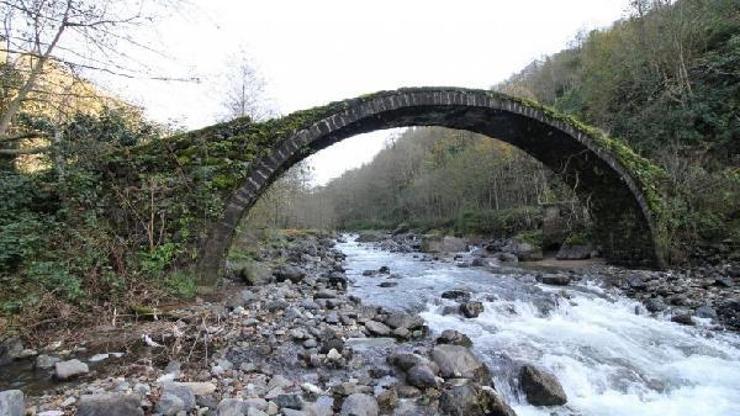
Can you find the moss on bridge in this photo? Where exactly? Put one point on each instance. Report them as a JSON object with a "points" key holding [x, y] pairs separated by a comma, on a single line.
{"points": [[169, 192]]}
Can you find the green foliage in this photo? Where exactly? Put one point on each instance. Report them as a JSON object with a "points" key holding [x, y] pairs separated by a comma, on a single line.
{"points": [[533, 237], [156, 260], [181, 284], [501, 223], [54, 276]]}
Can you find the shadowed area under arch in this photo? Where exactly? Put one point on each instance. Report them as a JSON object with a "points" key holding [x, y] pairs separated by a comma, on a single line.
{"points": [[616, 183]]}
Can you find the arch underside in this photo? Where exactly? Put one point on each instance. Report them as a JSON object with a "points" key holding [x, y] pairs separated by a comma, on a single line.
{"points": [[623, 224]]}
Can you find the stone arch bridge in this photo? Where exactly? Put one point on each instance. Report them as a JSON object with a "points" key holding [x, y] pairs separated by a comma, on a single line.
{"points": [[619, 185]]}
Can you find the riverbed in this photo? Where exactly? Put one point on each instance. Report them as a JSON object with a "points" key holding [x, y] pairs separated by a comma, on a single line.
{"points": [[611, 356]]}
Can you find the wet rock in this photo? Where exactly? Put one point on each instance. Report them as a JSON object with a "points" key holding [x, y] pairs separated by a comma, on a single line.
{"points": [[636, 283], [406, 360], [450, 336], [377, 328], [289, 272], [456, 295], [723, 281], [399, 319], [541, 387], [368, 273], [359, 404], [388, 284], [10, 349], [655, 305], [683, 318], [471, 309], [506, 257], [65, 370], [112, 404], [455, 361], [706, 312], [384, 270], [555, 279], [421, 376], [470, 399], [12, 403]]}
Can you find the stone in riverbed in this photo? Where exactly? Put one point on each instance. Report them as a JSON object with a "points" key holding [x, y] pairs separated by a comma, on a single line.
{"points": [[359, 404], [470, 399], [111, 404], [288, 272], [289, 401], [388, 284], [456, 295], [45, 362], [231, 407], [12, 403], [541, 387], [455, 361], [471, 309], [404, 320], [421, 376], [450, 336], [10, 349], [555, 279], [175, 398], [65, 370], [377, 328]]}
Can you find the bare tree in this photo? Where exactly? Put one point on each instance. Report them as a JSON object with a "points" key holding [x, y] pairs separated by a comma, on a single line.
{"points": [[245, 93], [74, 35]]}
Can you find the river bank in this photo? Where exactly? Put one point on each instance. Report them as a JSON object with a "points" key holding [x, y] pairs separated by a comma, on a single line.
{"points": [[319, 334]]}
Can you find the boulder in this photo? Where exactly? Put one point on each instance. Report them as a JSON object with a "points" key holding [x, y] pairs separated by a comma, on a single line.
{"points": [[10, 349], [541, 387], [574, 252], [175, 398], [255, 273], [450, 336], [555, 279], [455, 361], [359, 404], [377, 328], [110, 404], [446, 244], [65, 370], [471, 309], [421, 376], [406, 360], [12, 403], [404, 320], [45, 362], [470, 399], [523, 250], [289, 272], [457, 295]]}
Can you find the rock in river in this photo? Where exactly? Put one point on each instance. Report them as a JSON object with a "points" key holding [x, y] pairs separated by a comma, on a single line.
{"points": [[455, 361], [450, 336], [471, 309], [541, 387]]}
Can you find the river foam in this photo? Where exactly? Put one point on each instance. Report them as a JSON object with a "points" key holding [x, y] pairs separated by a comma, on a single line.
{"points": [[610, 356]]}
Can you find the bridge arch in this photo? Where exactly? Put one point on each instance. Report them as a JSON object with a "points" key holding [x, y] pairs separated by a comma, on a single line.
{"points": [[614, 180]]}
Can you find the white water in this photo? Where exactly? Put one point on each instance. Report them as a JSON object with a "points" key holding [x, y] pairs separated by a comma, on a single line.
{"points": [[609, 359]]}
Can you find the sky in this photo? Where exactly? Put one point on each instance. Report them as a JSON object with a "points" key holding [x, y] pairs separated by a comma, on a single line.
{"points": [[313, 52]]}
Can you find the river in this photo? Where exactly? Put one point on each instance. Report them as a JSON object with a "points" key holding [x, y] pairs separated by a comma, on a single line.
{"points": [[610, 355]]}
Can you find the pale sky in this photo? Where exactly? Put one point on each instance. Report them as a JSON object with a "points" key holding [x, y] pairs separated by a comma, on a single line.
{"points": [[313, 52]]}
